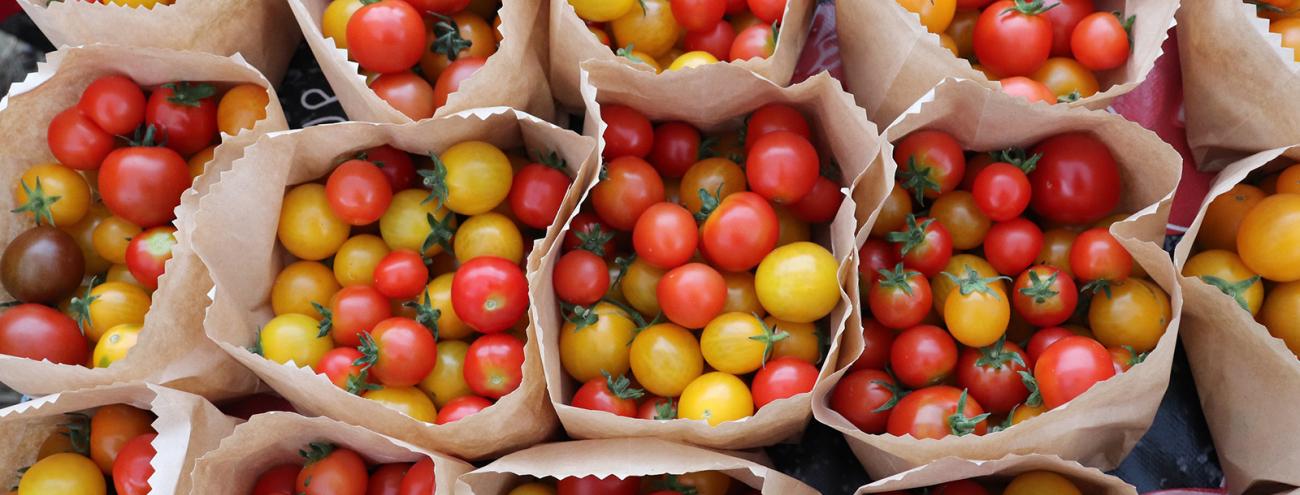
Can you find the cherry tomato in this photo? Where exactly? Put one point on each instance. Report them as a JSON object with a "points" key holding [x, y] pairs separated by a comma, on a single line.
{"points": [[612, 394], [877, 343], [1225, 271], [591, 485], [876, 255], [494, 365], [308, 228], [757, 41], [1012, 246], [864, 398], [675, 148], [537, 192], [782, 166], [1069, 367], [241, 108], [716, 397], [111, 428], [387, 479], [355, 310], [1064, 16], [666, 235], [698, 15], [775, 117], [148, 253], [63, 473], [601, 10], [650, 27], [76, 141], [923, 355], [1043, 339], [185, 115], [768, 11], [1271, 223], [132, 469], [278, 480], [339, 366], [1044, 296], [716, 177], [401, 275], [781, 378], [460, 408], [1066, 78], [1027, 88], [798, 282], [331, 470], [587, 226], [899, 298], [937, 412], [715, 40], [976, 310], [821, 203], [580, 278], [1038, 482], [143, 184], [358, 192], [52, 194], [386, 36], [740, 232], [930, 163], [629, 187], [1002, 191], [334, 22], [489, 234], [407, 93], [456, 74], [490, 294], [1013, 39], [627, 132], [1133, 313], [464, 34], [114, 103], [447, 381], [640, 287], [401, 352], [692, 294], [893, 212], [1077, 180], [1279, 312], [925, 245], [665, 358], [478, 178], [960, 215], [1100, 41], [935, 15], [1097, 255], [991, 374], [394, 163]]}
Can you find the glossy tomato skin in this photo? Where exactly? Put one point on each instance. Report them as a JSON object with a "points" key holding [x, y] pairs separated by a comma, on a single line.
{"points": [[536, 194], [143, 184], [1100, 42], [1001, 191], [629, 187], [395, 164], [782, 166], [692, 294], [821, 203], [494, 365], [596, 395], [757, 41], [1029, 89], [419, 479], [1077, 180], [923, 355], [386, 36], [357, 309], [715, 40], [490, 294], [339, 365], [444, 7], [877, 341], [456, 74], [1012, 246], [185, 116], [628, 132], [774, 117], [899, 298], [461, 408], [1044, 296], [927, 413], [1097, 255], [404, 352], [591, 485], [930, 163], [676, 147], [585, 223], [42, 264], [407, 93], [992, 376], [768, 11], [401, 274], [860, 394], [926, 246], [131, 470], [1042, 339], [666, 235], [876, 255], [740, 232], [114, 103], [339, 472], [76, 141], [1064, 17], [698, 15], [40, 332], [387, 479], [580, 277], [148, 252], [1010, 42], [278, 480], [781, 378], [1069, 367]]}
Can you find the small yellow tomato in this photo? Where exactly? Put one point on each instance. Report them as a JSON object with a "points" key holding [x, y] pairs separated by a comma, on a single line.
{"points": [[736, 343], [1268, 236], [1066, 77], [1289, 28], [1132, 313], [1281, 314], [1041, 483], [112, 304], [798, 282], [406, 224], [1025, 412], [241, 108], [447, 380], [946, 41], [649, 26], [693, 59], [294, 338], [357, 258], [935, 15], [741, 294], [114, 344], [450, 326], [716, 397], [199, 161], [120, 273], [1223, 216], [111, 237], [1225, 271], [941, 285], [334, 23], [802, 341], [640, 57], [52, 194], [308, 228], [301, 284], [665, 359], [84, 233], [406, 400], [718, 176], [965, 222], [977, 312], [476, 176], [600, 345], [639, 287], [489, 234], [601, 10], [63, 474], [535, 487]]}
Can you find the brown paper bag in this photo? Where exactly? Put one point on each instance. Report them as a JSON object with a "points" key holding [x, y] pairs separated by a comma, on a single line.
{"points": [[1088, 480], [513, 76], [622, 458], [258, 29], [171, 349], [271, 439], [248, 201], [890, 59], [572, 44], [1237, 83], [840, 127], [187, 427], [1099, 427], [1246, 377]]}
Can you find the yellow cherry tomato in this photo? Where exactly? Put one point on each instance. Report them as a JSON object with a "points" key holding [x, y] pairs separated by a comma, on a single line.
{"points": [[1066, 77], [308, 227], [1288, 180], [406, 223], [489, 234], [935, 15], [600, 345], [641, 57], [963, 219], [120, 273], [1225, 271], [536, 487], [601, 10], [63, 474], [112, 304], [114, 344], [199, 161], [1041, 483], [802, 341], [649, 26], [798, 282], [718, 176], [941, 285], [639, 287], [241, 108], [447, 380], [450, 326], [716, 397], [470, 27], [977, 311], [406, 400], [1056, 249], [741, 294], [334, 24], [693, 59], [148, 4], [84, 233], [736, 343], [477, 177], [893, 213], [665, 359], [57, 193], [1268, 239], [111, 237], [1223, 216], [1134, 313], [357, 258], [294, 337], [1281, 314], [1025, 412], [301, 284], [790, 229], [962, 31]]}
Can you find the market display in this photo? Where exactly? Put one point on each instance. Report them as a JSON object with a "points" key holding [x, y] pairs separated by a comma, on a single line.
{"points": [[715, 30]]}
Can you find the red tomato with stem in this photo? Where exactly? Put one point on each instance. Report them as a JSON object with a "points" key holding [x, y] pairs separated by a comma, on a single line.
{"points": [[148, 252], [340, 366], [1042, 339], [386, 36], [775, 117], [626, 189], [865, 397], [114, 103], [657, 408], [278, 480], [992, 375], [676, 147], [698, 15], [587, 231], [899, 298], [580, 278], [768, 11], [1097, 255], [358, 192], [716, 40], [781, 378], [930, 163], [394, 163], [185, 115], [76, 141], [740, 232], [1070, 367], [782, 166], [1013, 39], [494, 365], [1044, 296], [612, 394], [1064, 16], [757, 41], [923, 355], [1101, 41], [461, 408], [331, 470], [387, 479], [937, 412], [407, 93], [453, 76], [354, 310], [143, 184], [821, 204], [1012, 246], [876, 255], [420, 479], [537, 192], [1077, 180], [1027, 88], [132, 469], [489, 293], [666, 235], [691, 295], [925, 246], [591, 485], [39, 332], [627, 132], [1001, 191], [399, 352], [401, 274], [877, 341]]}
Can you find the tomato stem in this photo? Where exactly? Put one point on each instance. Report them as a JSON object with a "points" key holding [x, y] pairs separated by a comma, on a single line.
{"points": [[621, 387], [917, 179], [327, 320], [959, 423], [708, 202], [769, 338], [77, 429], [666, 410], [316, 452], [1040, 289], [1035, 398], [594, 239], [553, 160], [190, 94], [440, 233], [358, 384], [425, 314], [1019, 158], [897, 278], [972, 282], [38, 203], [436, 181], [1237, 290], [448, 40], [581, 317], [896, 394], [912, 237], [80, 306], [996, 355]]}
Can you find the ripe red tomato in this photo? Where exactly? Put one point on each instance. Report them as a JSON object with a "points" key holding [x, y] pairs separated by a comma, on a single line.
{"points": [[992, 375], [627, 188], [591, 485], [76, 141], [407, 93], [1064, 16], [394, 163], [821, 204], [925, 246], [876, 343], [419, 479], [148, 252], [586, 225], [1100, 42], [758, 41], [775, 117], [354, 310], [666, 235], [627, 132], [39, 332], [453, 76], [716, 40], [1097, 255], [876, 255], [401, 274], [278, 480], [461, 408], [1042, 339], [401, 352], [358, 192], [676, 147], [930, 163], [936, 412], [1077, 180], [1012, 246], [490, 294], [691, 295], [339, 365], [537, 192], [1013, 39], [923, 355], [386, 36], [612, 394], [782, 166], [864, 397], [1027, 88], [740, 232], [331, 470], [185, 115], [444, 7], [698, 15], [1070, 367], [768, 11], [494, 365], [656, 408], [580, 278], [781, 378], [1001, 191], [114, 103], [1044, 296], [387, 479], [132, 469], [899, 298], [143, 184]]}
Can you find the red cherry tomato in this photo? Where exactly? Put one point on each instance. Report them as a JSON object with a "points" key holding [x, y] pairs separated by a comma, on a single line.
{"points": [[185, 115], [925, 246], [656, 408], [1044, 296], [821, 204], [923, 355], [740, 232], [453, 76], [358, 192], [339, 365], [691, 295], [395, 164], [591, 485], [1100, 42], [143, 184], [698, 15], [148, 252], [1070, 367], [781, 378], [132, 469], [782, 166], [1011, 39], [387, 479], [76, 141], [1028, 89], [114, 103], [1077, 180], [537, 192], [460, 408], [586, 225], [407, 93], [401, 274], [877, 341], [716, 40], [937, 412], [930, 163], [627, 188], [1043, 339], [444, 7], [331, 470], [1012, 246], [757, 41], [899, 298], [386, 36], [612, 394], [419, 479], [627, 132], [39, 332], [494, 365], [1064, 16], [402, 352], [676, 148], [876, 255], [490, 294], [1001, 191], [666, 235], [775, 117], [278, 480], [580, 278], [768, 11], [354, 310], [992, 376], [862, 397], [1097, 255]]}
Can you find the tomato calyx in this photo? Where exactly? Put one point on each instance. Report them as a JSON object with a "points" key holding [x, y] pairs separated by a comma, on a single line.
{"points": [[709, 201], [666, 410], [1236, 290], [898, 278], [581, 317], [190, 94], [436, 181], [447, 39], [972, 282], [1030, 7], [1127, 24], [594, 240], [256, 348], [1095, 286], [38, 203], [1136, 357], [316, 452], [77, 429], [996, 356], [147, 137], [1040, 289], [959, 424], [622, 262], [369, 352], [1019, 158], [628, 52], [326, 322], [359, 383], [553, 160], [1070, 98], [911, 237], [706, 149], [425, 314], [1035, 398], [159, 244], [672, 484], [896, 394], [769, 337], [917, 179], [80, 305], [440, 233], [621, 387]]}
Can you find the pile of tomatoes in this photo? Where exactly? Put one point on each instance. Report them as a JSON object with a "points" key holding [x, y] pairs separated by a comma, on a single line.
{"points": [[651, 31], [1030, 483], [1284, 19], [114, 441], [1246, 251], [676, 261], [408, 289], [148, 4], [414, 53], [697, 483], [1041, 50], [104, 211], [1083, 310], [330, 469]]}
